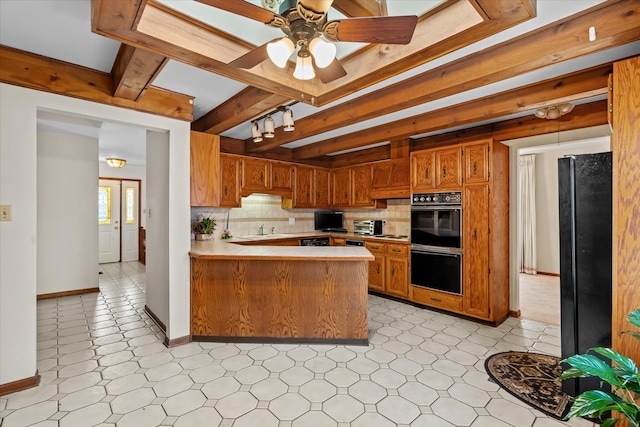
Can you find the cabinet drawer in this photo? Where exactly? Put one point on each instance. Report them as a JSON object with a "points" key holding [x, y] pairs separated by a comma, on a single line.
{"points": [[398, 250], [338, 241], [436, 299], [377, 248]]}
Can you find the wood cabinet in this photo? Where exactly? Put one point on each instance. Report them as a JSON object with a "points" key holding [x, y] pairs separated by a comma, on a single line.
{"points": [[433, 298], [229, 181], [338, 241], [389, 272], [423, 168], [204, 163], [476, 159], [311, 189], [391, 179], [361, 178], [476, 291], [449, 169], [341, 187], [255, 176], [322, 182], [281, 178]]}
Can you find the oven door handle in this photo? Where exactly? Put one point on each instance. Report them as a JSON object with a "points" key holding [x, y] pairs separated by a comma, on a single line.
{"points": [[449, 254]]}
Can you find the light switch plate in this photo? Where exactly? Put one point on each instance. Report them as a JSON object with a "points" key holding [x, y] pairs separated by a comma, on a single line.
{"points": [[292, 221], [5, 212]]}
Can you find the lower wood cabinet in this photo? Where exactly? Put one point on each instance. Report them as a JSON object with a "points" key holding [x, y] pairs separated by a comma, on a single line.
{"points": [[389, 272], [436, 299]]}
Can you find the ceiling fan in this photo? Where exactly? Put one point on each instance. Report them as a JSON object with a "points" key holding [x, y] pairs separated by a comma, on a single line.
{"points": [[303, 22]]}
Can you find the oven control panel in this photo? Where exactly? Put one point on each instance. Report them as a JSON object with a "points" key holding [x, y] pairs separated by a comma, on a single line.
{"points": [[452, 198]]}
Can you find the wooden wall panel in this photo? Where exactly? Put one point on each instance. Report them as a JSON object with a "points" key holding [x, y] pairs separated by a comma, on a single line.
{"points": [[625, 144]]}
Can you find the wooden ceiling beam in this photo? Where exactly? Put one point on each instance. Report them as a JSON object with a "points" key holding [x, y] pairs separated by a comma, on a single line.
{"points": [[574, 86], [361, 156], [49, 75], [242, 107], [134, 70], [507, 9], [617, 25], [361, 7]]}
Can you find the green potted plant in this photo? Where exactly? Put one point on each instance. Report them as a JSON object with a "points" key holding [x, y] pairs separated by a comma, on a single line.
{"points": [[204, 226], [623, 377]]}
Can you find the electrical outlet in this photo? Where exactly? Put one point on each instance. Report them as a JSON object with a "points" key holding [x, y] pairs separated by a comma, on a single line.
{"points": [[292, 221], [5, 212]]}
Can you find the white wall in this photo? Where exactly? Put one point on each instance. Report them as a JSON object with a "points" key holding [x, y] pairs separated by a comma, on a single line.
{"points": [[129, 172], [547, 211], [18, 238], [514, 146], [67, 250], [157, 255]]}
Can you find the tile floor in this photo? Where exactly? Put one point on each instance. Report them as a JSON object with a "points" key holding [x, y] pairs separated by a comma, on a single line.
{"points": [[103, 363], [540, 298]]}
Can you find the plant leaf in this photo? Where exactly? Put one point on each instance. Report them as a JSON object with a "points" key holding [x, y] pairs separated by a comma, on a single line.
{"points": [[572, 373], [598, 402], [633, 334], [634, 317], [628, 365], [594, 366]]}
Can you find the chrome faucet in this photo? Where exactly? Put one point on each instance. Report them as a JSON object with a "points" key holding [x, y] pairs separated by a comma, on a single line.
{"points": [[261, 230]]}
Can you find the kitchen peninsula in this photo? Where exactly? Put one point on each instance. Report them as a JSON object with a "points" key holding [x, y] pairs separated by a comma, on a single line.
{"points": [[262, 293]]}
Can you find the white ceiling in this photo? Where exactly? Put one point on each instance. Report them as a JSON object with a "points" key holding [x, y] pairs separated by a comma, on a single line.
{"points": [[61, 29]]}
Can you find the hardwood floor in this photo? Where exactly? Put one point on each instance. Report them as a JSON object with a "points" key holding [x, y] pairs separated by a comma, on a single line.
{"points": [[540, 298]]}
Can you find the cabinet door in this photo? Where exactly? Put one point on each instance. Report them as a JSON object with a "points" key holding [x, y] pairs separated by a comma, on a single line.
{"points": [[376, 273], [391, 179], [229, 181], [281, 177], [254, 176], [475, 290], [338, 241], [361, 182], [476, 158], [397, 283], [422, 171], [322, 183], [341, 187], [449, 168], [303, 195], [205, 176]]}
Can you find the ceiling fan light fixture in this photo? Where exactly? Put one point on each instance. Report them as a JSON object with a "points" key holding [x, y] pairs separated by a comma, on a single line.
{"points": [[115, 162], [255, 133], [287, 121], [280, 51], [552, 112], [304, 68], [269, 127], [324, 53]]}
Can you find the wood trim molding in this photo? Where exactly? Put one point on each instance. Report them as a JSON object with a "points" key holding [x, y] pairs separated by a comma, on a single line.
{"points": [[67, 293], [514, 313], [544, 273], [176, 342], [156, 319], [20, 385]]}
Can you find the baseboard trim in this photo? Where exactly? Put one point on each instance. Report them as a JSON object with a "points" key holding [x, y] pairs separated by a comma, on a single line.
{"points": [[176, 342], [514, 313], [544, 273], [68, 293], [156, 319], [20, 385]]}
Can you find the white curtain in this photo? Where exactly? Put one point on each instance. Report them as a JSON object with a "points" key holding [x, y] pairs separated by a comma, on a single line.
{"points": [[527, 187]]}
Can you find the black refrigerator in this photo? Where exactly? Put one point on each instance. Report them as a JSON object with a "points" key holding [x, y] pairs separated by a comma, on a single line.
{"points": [[584, 189]]}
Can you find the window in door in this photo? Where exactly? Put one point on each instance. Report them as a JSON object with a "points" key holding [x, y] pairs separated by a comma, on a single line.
{"points": [[104, 205], [130, 207]]}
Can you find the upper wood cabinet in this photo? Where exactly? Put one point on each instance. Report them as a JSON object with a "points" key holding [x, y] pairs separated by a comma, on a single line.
{"points": [[449, 169], [322, 182], [229, 181], [391, 179], [361, 178], [476, 159], [281, 175], [255, 176], [205, 163], [341, 187], [303, 197], [423, 168]]}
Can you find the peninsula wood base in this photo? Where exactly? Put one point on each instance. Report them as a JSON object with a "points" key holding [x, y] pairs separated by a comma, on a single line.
{"points": [[290, 300]]}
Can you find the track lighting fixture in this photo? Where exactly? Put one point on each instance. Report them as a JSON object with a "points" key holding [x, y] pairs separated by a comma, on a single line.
{"points": [[553, 112], [269, 124]]}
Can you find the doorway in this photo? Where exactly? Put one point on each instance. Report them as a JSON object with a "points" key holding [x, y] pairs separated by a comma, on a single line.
{"points": [[118, 219]]}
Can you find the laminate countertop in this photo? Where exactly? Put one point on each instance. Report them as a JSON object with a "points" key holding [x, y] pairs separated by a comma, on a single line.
{"points": [[229, 249]]}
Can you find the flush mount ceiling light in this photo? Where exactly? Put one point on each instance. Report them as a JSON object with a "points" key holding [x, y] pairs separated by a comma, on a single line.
{"points": [[115, 162], [304, 22], [269, 124], [552, 112]]}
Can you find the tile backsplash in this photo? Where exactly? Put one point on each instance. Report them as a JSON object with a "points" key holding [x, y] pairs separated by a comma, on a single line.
{"points": [[263, 209]]}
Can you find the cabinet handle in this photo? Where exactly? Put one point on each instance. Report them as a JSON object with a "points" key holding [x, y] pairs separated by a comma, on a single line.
{"points": [[378, 268], [374, 247], [393, 271], [426, 173], [436, 299], [395, 250], [261, 176], [444, 171], [475, 234], [226, 190], [318, 194], [275, 177]]}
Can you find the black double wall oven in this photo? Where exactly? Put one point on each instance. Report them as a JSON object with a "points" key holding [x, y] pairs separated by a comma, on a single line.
{"points": [[436, 241]]}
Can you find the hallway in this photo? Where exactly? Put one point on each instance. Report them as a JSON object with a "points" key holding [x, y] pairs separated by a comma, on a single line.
{"points": [[103, 363]]}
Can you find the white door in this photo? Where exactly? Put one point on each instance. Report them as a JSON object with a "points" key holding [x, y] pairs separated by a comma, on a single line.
{"points": [[109, 221], [130, 216]]}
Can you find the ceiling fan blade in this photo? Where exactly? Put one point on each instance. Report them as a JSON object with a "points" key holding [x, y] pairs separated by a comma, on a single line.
{"points": [[376, 29], [331, 72], [246, 9], [251, 58]]}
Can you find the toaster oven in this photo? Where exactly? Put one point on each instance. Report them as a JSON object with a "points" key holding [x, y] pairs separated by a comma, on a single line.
{"points": [[367, 226]]}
